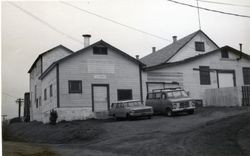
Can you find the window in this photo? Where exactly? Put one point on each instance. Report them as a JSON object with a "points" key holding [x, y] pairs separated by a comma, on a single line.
{"points": [[204, 75], [151, 96], [124, 94], [50, 90], [35, 91], [158, 95], [45, 94], [246, 75], [199, 46], [100, 50], [40, 101], [75, 86], [224, 53], [36, 103]]}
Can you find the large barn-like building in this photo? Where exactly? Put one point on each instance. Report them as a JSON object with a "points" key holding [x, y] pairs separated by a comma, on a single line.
{"points": [[83, 84]]}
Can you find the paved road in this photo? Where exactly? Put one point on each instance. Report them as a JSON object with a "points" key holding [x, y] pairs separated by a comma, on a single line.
{"points": [[212, 138]]}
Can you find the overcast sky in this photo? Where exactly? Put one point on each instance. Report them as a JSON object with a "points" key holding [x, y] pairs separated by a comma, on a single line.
{"points": [[24, 37]]}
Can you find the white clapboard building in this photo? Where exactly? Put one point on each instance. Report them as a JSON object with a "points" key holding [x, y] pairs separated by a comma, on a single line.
{"points": [[196, 63], [82, 84]]}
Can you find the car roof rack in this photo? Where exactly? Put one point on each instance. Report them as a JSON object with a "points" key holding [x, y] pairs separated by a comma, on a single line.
{"points": [[160, 90]]}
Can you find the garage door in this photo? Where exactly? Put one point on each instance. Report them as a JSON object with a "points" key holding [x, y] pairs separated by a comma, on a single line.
{"points": [[226, 80], [100, 98]]}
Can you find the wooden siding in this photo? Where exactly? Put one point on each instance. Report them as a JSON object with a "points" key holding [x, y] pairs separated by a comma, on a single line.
{"points": [[125, 75], [51, 102], [53, 56], [229, 96], [189, 49], [191, 78], [35, 113]]}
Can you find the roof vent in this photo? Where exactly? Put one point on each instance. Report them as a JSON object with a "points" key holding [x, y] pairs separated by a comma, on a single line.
{"points": [[174, 38], [86, 39]]}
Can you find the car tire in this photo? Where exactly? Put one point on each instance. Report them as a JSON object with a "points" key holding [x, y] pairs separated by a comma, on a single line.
{"points": [[149, 117], [191, 111], [169, 112], [129, 117]]}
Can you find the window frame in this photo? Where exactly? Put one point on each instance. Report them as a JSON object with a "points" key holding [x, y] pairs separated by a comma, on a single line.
{"points": [[246, 78], [74, 91], [51, 90], [200, 45], [119, 97], [205, 77], [224, 54], [100, 50], [45, 94]]}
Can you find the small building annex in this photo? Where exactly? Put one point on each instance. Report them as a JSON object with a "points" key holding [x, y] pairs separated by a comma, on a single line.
{"points": [[196, 63], [82, 84]]}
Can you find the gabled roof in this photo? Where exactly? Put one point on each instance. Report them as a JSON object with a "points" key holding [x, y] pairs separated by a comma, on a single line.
{"points": [[190, 59], [39, 56], [165, 54], [101, 42]]}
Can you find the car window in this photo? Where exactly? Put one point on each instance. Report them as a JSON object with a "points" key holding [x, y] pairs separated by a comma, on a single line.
{"points": [[163, 96], [158, 95]]}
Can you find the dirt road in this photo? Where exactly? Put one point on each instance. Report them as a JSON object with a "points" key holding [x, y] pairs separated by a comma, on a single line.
{"points": [[207, 133], [161, 136]]}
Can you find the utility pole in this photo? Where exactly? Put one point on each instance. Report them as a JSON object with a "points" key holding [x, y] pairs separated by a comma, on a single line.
{"points": [[198, 10], [19, 101]]}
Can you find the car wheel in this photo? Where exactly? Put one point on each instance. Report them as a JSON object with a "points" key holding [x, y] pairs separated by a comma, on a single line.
{"points": [[149, 117], [191, 111], [129, 117], [169, 112]]}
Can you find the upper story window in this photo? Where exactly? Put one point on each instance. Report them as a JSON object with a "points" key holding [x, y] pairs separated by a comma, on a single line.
{"points": [[75, 86], [224, 53], [51, 90], [200, 46], [100, 50], [45, 94], [205, 75]]}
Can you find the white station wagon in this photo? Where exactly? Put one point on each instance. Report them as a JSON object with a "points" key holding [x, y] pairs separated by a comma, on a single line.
{"points": [[130, 109]]}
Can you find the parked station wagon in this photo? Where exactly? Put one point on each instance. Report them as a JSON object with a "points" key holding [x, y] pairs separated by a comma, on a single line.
{"points": [[170, 100], [130, 109]]}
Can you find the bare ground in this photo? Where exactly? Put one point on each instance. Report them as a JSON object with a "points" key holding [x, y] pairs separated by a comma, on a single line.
{"points": [[210, 131]]}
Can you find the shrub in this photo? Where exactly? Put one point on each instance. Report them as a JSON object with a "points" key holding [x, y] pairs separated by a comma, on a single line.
{"points": [[53, 117], [15, 120]]}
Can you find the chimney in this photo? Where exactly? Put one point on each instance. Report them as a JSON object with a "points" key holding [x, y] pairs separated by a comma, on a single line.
{"points": [[240, 52], [153, 49], [174, 38], [137, 57], [86, 39]]}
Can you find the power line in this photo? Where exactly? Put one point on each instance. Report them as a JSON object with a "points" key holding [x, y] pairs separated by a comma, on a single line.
{"points": [[45, 23], [116, 22], [9, 95], [119, 23], [214, 2], [212, 10]]}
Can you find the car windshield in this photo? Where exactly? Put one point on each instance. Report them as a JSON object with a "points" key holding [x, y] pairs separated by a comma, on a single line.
{"points": [[132, 104], [177, 94]]}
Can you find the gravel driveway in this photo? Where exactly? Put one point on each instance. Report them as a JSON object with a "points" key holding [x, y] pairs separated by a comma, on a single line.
{"points": [[210, 131]]}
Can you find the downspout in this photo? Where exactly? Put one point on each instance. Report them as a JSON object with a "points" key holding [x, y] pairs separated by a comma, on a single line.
{"points": [[140, 75], [57, 85]]}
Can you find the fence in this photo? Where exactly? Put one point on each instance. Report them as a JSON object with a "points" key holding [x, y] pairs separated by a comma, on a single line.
{"points": [[246, 95], [229, 96]]}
